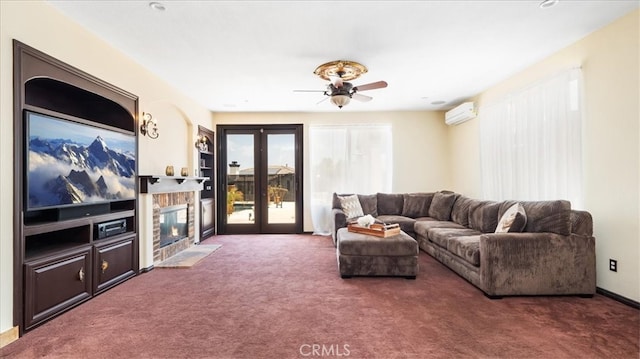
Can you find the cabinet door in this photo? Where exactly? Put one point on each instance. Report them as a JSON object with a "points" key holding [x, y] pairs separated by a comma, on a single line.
{"points": [[207, 218], [114, 262], [56, 284]]}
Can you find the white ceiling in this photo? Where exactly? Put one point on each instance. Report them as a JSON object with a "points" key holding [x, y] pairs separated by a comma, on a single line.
{"points": [[237, 56]]}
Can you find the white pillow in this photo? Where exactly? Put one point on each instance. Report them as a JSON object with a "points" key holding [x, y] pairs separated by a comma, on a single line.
{"points": [[514, 219], [351, 206]]}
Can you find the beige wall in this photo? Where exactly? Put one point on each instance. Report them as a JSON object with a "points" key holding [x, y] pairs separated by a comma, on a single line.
{"points": [[416, 135], [610, 62], [55, 35]]}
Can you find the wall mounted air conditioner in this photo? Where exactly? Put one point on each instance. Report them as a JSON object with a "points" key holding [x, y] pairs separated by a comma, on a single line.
{"points": [[460, 114]]}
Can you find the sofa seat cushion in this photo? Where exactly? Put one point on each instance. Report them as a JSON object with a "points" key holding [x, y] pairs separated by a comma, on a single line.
{"points": [[466, 247], [406, 223], [358, 244], [441, 236], [422, 225]]}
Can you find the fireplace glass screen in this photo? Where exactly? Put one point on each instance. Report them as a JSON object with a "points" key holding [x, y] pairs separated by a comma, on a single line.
{"points": [[173, 224]]}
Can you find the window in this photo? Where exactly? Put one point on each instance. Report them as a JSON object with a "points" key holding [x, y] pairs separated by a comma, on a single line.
{"points": [[531, 142], [347, 159]]}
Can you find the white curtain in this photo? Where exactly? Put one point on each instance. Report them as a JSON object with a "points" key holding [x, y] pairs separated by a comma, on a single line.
{"points": [[530, 142], [347, 159]]}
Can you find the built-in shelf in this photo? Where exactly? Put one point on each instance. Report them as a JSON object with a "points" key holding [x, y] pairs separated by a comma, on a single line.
{"points": [[166, 184]]}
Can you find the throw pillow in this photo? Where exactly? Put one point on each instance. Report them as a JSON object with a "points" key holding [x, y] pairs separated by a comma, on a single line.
{"points": [[351, 206], [514, 219], [441, 205]]}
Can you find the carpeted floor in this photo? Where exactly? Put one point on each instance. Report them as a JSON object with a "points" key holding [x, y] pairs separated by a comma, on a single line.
{"points": [[189, 257], [280, 296]]}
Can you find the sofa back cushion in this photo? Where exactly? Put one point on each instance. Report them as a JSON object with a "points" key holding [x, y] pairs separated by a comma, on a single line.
{"points": [[548, 216], [442, 204], [390, 203], [483, 215], [416, 204], [369, 203], [460, 211]]}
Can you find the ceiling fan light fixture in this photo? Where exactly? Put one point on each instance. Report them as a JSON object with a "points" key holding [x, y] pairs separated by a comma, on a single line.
{"points": [[340, 100], [344, 69]]}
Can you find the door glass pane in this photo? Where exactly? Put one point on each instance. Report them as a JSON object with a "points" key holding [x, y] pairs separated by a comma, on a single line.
{"points": [[240, 179], [281, 178]]}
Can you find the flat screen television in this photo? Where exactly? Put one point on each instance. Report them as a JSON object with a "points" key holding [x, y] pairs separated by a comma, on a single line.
{"points": [[74, 163]]}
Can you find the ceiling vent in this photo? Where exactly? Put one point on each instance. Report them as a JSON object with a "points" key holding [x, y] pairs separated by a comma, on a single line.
{"points": [[460, 114]]}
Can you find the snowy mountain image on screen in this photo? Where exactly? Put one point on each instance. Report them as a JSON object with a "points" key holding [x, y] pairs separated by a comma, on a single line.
{"points": [[65, 171]]}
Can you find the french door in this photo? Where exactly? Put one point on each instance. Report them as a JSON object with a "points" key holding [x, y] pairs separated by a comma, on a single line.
{"points": [[259, 179]]}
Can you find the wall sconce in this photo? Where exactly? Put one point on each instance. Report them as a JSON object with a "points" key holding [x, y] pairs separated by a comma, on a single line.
{"points": [[201, 143], [149, 126]]}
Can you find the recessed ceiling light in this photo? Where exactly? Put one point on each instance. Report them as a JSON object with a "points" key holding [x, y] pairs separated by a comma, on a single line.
{"points": [[440, 102], [157, 6], [547, 3]]}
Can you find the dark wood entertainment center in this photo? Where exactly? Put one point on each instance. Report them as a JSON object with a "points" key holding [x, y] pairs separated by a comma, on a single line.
{"points": [[61, 259]]}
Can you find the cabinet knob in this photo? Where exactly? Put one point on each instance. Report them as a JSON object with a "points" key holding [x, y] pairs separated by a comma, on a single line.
{"points": [[81, 274], [104, 265]]}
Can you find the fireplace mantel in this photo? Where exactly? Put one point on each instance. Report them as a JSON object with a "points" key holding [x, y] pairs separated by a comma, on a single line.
{"points": [[168, 184]]}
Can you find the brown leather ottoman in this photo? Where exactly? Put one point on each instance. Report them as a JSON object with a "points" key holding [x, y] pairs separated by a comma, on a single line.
{"points": [[365, 255]]}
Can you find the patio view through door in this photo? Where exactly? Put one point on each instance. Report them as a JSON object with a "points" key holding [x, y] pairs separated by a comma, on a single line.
{"points": [[259, 181]]}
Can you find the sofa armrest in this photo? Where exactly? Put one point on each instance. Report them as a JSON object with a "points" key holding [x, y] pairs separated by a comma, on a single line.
{"points": [[537, 264], [338, 220]]}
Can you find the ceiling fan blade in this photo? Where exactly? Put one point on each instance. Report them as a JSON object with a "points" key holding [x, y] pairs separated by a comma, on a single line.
{"points": [[362, 98], [371, 86], [309, 90], [321, 101]]}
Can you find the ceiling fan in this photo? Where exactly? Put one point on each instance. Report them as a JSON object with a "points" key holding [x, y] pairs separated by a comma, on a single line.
{"points": [[340, 91]]}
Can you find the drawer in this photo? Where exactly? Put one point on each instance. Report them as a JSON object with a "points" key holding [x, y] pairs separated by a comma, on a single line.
{"points": [[56, 284]]}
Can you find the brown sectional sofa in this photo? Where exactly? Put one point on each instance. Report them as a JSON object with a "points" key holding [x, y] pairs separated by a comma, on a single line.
{"points": [[554, 254]]}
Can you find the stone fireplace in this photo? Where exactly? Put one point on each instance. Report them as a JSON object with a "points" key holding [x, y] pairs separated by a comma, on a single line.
{"points": [[173, 224]]}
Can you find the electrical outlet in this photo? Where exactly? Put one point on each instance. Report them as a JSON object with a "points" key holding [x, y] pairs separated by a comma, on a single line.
{"points": [[613, 265]]}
